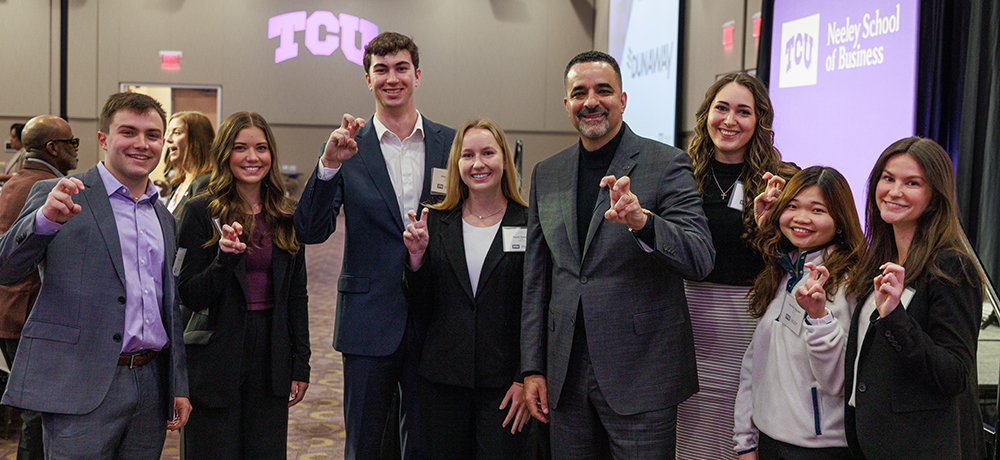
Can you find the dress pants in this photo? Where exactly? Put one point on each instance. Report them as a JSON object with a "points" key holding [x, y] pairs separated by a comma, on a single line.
{"points": [[129, 424], [583, 425], [468, 423], [369, 385], [772, 449], [256, 426], [29, 446]]}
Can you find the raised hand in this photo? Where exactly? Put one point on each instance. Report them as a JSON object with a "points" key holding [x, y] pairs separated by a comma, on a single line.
{"points": [[811, 296], [341, 146], [518, 411], [230, 240], [625, 208], [763, 203], [889, 287], [415, 237], [59, 206]]}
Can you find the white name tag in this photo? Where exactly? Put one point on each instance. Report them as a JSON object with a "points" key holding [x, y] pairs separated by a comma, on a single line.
{"points": [[178, 261], [791, 313], [515, 239], [736, 200], [439, 181]]}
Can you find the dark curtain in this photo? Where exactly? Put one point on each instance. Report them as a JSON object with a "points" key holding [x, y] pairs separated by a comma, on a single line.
{"points": [[978, 172], [941, 70]]}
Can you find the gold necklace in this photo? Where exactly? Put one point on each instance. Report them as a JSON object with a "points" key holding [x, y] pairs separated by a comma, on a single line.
{"points": [[490, 215], [724, 192]]}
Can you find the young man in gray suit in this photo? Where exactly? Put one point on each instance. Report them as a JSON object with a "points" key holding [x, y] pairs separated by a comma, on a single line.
{"points": [[101, 355], [606, 344], [377, 171]]}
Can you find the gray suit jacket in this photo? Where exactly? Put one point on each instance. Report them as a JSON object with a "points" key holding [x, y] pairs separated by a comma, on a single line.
{"points": [[636, 317], [71, 341]]}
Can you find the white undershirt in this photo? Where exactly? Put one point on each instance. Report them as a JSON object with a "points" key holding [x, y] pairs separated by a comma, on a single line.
{"points": [[477, 243], [865, 320]]}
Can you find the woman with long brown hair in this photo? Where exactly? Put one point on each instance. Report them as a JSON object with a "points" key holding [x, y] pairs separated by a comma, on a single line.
{"points": [[911, 381], [187, 147], [732, 149], [245, 278]]}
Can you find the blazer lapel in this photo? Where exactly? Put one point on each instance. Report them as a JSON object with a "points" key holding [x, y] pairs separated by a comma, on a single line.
{"points": [[513, 217], [435, 156], [96, 198], [370, 152], [454, 247], [621, 165], [167, 227], [568, 176]]}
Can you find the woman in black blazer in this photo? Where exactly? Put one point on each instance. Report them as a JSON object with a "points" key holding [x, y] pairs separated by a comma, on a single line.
{"points": [[248, 341], [466, 268], [911, 382]]}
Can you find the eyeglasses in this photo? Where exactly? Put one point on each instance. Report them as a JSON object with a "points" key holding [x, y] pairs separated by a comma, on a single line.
{"points": [[74, 142]]}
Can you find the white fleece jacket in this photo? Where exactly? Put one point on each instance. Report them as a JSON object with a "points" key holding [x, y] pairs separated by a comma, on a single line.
{"points": [[792, 385]]}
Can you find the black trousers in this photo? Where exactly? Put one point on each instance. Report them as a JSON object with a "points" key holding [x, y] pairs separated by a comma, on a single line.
{"points": [[257, 425], [467, 423], [769, 448]]}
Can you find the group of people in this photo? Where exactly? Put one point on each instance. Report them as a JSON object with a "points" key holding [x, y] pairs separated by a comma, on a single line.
{"points": [[645, 303]]}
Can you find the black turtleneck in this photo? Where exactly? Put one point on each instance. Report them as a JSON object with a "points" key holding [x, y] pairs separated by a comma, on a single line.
{"points": [[593, 166]]}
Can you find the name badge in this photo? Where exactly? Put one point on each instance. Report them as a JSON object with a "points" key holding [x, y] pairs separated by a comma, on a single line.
{"points": [[736, 200], [792, 314], [178, 261], [515, 239], [439, 181]]}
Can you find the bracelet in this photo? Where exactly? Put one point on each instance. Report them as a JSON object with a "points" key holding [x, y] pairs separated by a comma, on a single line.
{"points": [[646, 212]]}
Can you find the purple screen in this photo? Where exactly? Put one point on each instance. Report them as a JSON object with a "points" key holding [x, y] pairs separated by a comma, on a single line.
{"points": [[843, 82]]}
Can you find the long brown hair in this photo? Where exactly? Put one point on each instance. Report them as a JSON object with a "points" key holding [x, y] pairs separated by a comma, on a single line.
{"points": [[938, 228], [841, 254], [228, 205], [457, 191], [761, 156], [197, 159]]}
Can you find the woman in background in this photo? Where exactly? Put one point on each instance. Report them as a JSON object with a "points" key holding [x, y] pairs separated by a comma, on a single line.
{"points": [[465, 272], [732, 149], [187, 149], [911, 382], [245, 279]]}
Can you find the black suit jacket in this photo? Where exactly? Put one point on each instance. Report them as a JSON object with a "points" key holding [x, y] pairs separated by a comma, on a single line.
{"points": [[371, 309], [472, 341], [917, 385], [215, 280]]}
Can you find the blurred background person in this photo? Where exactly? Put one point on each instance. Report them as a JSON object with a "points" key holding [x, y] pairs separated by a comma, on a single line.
{"points": [[50, 152], [911, 379], [248, 342], [466, 271], [732, 148], [187, 147], [11, 167]]}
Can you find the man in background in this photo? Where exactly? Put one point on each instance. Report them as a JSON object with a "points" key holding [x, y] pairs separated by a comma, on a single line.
{"points": [[50, 152]]}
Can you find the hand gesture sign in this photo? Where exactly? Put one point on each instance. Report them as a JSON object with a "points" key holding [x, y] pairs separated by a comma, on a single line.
{"points": [[811, 296], [59, 206], [765, 201], [341, 146], [415, 237], [888, 288], [625, 208], [230, 239]]}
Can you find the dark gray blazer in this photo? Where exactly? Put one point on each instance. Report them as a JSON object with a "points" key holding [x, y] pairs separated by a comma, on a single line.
{"points": [[371, 309], [71, 341], [637, 322]]}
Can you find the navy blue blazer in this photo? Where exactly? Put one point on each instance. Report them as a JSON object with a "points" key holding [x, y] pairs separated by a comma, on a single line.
{"points": [[371, 309]]}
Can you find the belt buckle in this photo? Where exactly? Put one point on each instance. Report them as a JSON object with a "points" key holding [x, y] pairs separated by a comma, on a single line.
{"points": [[131, 361]]}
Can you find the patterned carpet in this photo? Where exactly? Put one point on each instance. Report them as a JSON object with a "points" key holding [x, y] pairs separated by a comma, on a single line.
{"points": [[315, 425]]}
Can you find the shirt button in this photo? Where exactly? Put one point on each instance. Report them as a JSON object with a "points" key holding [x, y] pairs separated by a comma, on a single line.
{"points": [[145, 291]]}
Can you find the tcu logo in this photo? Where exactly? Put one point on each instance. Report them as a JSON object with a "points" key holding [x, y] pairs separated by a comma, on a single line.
{"points": [[285, 26], [799, 52]]}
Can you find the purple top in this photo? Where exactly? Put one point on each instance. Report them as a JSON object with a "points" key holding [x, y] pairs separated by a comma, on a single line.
{"points": [[260, 288], [142, 256]]}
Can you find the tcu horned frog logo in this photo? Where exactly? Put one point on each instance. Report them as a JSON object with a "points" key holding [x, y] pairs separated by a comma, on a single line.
{"points": [[799, 52]]}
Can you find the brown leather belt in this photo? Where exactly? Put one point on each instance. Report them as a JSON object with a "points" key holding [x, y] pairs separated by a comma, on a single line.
{"points": [[136, 360]]}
